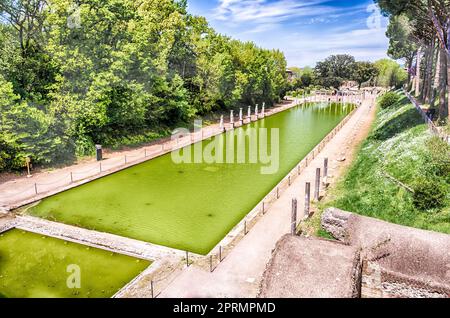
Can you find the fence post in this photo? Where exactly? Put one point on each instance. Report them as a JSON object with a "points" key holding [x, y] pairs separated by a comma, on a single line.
{"points": [[245, 227], [294, 217], [210, 263], [325, 167], [307, 198], [220, 253], [35, 188], [100, 164], [317, 189], [278, 192], [151, 288]]}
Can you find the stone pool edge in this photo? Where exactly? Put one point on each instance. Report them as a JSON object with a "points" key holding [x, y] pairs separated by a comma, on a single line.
{"points": [[38, 197], [230, 238]]}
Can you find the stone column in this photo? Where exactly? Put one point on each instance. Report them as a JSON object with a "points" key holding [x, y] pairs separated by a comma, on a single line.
{"points": [[232, 118], [221, 123]]}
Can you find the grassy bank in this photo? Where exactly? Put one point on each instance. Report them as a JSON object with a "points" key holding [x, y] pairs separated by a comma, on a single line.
{"points": [[401, 174]]}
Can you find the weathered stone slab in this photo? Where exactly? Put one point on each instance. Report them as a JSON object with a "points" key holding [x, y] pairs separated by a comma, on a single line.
{"points": [[311, 268], [399, 261]]}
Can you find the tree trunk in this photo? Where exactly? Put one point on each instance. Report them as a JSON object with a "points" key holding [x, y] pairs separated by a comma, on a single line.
{"points": [[417, 78], [426, 85], [437, 77], [448, 86], [437, 74], [443, 110], [410, 62], [429, 92]]}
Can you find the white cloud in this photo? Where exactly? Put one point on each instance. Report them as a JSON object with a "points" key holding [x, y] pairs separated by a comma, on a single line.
{"points": [[307, 49], [305, 30], [263, 11]]}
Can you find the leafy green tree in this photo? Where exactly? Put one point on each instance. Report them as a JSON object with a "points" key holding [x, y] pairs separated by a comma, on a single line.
{"points": [[401, 42], [99, 71], [390, 74], [364, 72], [334, 70]]}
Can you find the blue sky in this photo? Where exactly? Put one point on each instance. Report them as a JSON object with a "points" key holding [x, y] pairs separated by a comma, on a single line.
{"points": [[307, 31]]}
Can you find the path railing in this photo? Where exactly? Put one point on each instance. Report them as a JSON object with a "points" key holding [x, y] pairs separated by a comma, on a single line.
{"points": [[431, 126]]}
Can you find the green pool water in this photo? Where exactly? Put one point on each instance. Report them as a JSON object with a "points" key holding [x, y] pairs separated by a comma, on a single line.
{"points": [[36, 266], [191, 206]]}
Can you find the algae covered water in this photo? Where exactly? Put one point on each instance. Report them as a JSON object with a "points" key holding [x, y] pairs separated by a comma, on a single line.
{"points": [[192, 206], [37, 266]]}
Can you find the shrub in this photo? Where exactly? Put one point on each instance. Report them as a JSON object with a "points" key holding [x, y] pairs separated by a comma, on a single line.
{"points": [[439, 158], [389, 99], [429, 194]]}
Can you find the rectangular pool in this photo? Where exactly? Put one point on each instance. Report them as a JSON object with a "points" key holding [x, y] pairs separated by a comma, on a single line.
{"points": [[38, 266], [191, 206]]}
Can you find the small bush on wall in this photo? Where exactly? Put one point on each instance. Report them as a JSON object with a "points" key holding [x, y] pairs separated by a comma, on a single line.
{"points": [[389, 100]]}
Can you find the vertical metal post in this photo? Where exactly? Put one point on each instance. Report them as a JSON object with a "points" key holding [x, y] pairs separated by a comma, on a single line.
{"points": [[245, 227], [71, 177], [307, 199], [325, 167], [278, 192], [210, 263], [35, 188], [220, 253], [125, 159], [317, 188], [100, 167], [264, 207], [187, 258], [294, 217], [151, 288]]}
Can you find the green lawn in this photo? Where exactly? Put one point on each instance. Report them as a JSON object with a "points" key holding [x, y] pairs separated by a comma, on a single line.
{"points": [[35, 266], [400, 146], [192, 206]]}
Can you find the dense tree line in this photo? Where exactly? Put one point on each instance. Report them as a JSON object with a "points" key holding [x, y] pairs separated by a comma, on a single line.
{"points": [[76, 73], [419, 33], [335, 70]]}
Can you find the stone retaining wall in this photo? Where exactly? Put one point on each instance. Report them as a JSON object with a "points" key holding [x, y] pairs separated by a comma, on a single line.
{"points": [[398, 261]]}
